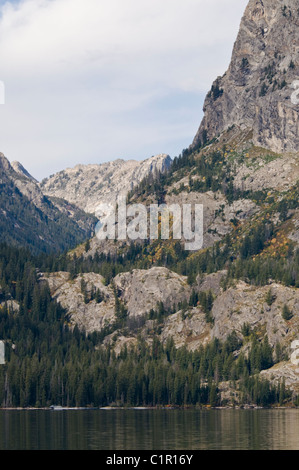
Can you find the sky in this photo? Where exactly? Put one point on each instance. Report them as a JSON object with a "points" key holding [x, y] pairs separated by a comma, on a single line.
{"points": [[90, 81]]}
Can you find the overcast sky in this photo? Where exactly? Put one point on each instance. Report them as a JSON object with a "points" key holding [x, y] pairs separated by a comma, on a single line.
{"points": [[89, 81]]}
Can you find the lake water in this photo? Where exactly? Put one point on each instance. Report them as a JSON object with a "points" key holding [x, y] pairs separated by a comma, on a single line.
{"points": [[149, 430]]}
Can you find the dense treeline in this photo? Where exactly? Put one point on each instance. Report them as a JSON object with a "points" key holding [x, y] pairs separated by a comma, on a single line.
{"points": [[49, 363], [74, 373]]}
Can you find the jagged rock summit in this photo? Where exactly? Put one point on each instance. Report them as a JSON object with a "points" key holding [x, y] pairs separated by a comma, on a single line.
{"points": [[4, 163], [260, 90], [18, 167]]}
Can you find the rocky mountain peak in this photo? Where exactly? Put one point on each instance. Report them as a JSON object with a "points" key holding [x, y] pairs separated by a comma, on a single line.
{"points": [[18, 167], [4, 163], [89, 185], [260, 90]]}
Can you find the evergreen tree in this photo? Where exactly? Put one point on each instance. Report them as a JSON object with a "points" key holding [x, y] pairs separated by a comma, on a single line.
{"points": [[286, 313]]}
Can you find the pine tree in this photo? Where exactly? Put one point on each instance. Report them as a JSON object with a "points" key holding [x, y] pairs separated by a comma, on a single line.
{"points": [[98, 296], [270, 297], [267, 355], [286, 313]]}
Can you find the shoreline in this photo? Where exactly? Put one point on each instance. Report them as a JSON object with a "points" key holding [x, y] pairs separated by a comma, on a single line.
{"points": [[151, 408]]}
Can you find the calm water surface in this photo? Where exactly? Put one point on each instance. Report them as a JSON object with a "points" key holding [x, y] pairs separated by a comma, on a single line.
{"points": [[149, 430]]}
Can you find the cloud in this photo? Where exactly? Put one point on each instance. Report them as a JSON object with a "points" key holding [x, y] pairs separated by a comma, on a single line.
{"points": [[96, 80]]}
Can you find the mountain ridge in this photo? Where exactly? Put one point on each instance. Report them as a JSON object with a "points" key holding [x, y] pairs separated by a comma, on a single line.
{"points": [[18, 167], [28, 218], [89, 185]]}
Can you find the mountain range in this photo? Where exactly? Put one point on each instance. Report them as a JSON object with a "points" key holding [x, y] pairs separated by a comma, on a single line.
{"points": [[62, 207], [224, 317], [87, 186]]}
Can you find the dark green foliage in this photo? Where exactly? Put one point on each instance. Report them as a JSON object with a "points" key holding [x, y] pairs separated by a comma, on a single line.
{"points": [[153, 185], [264, 89], [48, 363], [237, 259], [260, 357], [159, 313], [120, 310], [270, 297], [194, 299], [283, 209], [269, 72], [284, 10], [216, 91], [206, 300], [286, 313], [255, 241], [244, 64], [211, 172], [246, 330], [283, 84], [261, 392], [99, 296]]}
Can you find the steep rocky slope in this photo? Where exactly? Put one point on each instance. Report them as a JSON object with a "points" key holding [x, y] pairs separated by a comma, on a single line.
{"points": [[246, 178], [255, 92], [29, 218], [87, 314], [18, 167], [142, 290]]}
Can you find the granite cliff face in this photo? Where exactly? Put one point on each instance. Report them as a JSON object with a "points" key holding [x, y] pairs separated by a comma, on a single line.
{"points": [[90, 316], [142, 290], [259, 91]]}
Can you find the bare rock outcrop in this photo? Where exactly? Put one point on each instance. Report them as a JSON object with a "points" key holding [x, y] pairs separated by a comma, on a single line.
{"points": [[4, 163], [283, 372], [244, 304], [142, 290], [257, 89], [87, 186], [18, 167], [217, 212], [88, 316], [188, 329]]}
